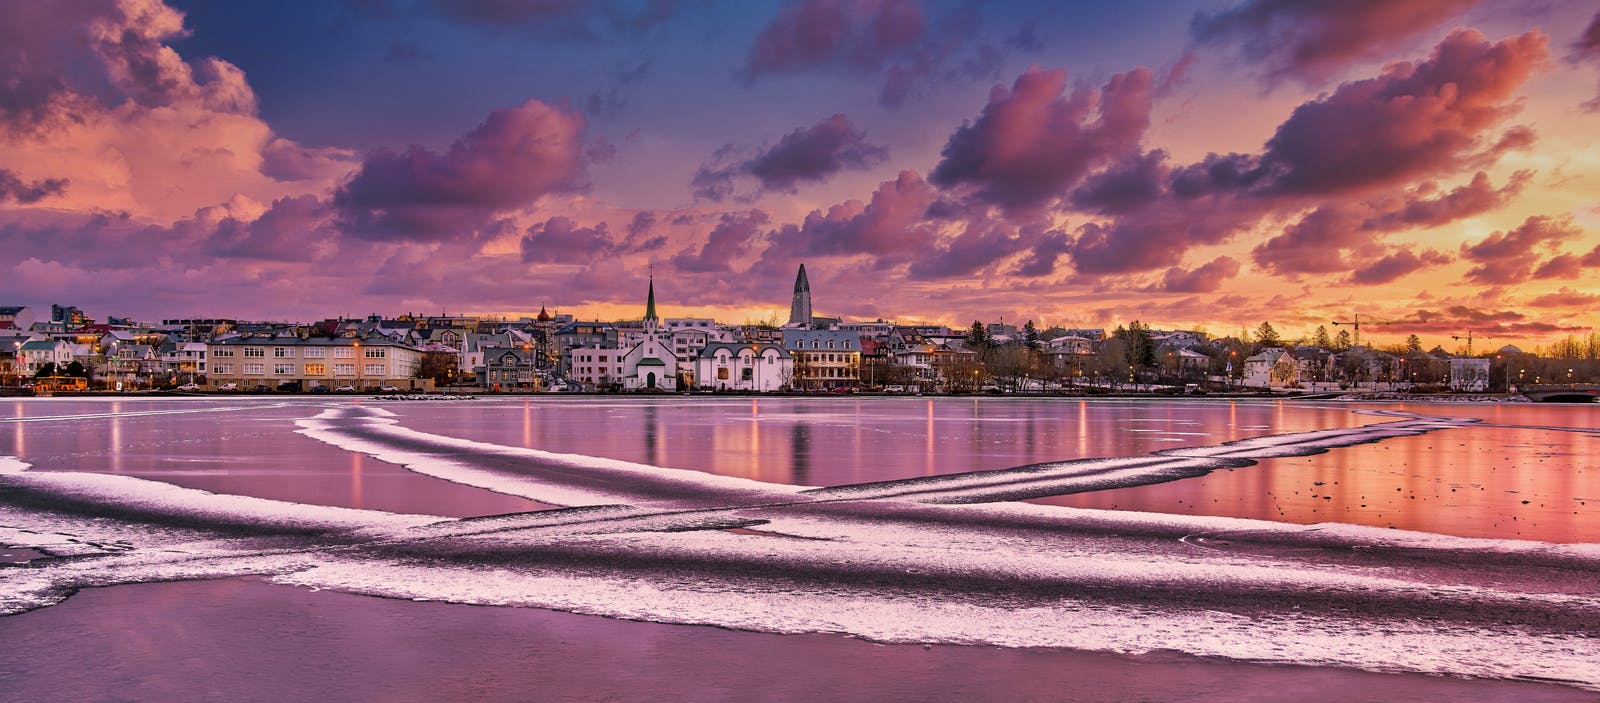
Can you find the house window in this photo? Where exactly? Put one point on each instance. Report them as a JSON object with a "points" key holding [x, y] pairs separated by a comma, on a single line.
{"points": [[344, 352], [830, 344], [223, 368], [222, 352], [255, 369], [316, 369], [371, 353], [281, 353], [255, 352], [344, 369], [374, 369], [316, 352], [722, 374], [747, 374], [283, 369]]}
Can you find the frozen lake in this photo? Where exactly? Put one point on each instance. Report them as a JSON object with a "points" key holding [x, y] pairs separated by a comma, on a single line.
{"points": [[1395, 539]]}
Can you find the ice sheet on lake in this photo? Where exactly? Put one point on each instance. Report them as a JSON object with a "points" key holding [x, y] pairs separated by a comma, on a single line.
{"points": [[921, 560]]}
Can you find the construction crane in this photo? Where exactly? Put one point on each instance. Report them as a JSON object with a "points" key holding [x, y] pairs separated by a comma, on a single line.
{"points": [[1468, 337], [1357, 325]]}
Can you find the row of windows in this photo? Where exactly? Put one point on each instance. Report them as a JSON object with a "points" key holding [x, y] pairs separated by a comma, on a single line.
{"points": [[801, 344], [306, 352], [833, 372], [833, 358], [259, 369], [722, 359]]}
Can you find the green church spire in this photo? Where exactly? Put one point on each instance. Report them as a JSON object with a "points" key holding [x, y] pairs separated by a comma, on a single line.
{"points": [[650, 306]]}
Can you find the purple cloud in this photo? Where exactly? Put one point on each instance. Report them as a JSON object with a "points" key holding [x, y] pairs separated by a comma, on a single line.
{"points": [[1509, 257], [1034, 141], [16, 190], [1411, 121], [1207, 278], [811, 154], [857, 35], [1312, 41], [1396, 265], [511, 160], [731, 239]]}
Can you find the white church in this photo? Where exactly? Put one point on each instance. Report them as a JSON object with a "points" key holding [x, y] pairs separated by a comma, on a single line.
{"points": [[646, 363]]}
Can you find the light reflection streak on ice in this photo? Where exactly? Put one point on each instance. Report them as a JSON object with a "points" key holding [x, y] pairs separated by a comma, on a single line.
{"points": [[855, 559]]}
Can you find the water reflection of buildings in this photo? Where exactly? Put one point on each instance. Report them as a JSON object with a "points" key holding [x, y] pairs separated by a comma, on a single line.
{"points": [[800, 453]]}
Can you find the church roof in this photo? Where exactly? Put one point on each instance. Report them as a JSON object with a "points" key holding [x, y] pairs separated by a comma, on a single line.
{"points": [[651, 361]]}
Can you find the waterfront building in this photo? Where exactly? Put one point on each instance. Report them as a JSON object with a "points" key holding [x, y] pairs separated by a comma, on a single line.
{"points": [[824, 359], [370, 361], [33, 355], [758, 367]]}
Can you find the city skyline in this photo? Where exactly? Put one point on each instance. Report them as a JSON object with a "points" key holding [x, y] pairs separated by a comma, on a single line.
{"points": [[1195, 165]]}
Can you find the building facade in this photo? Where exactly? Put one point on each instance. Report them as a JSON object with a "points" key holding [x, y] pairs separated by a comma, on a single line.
{"points": [[760, 368], [361, 362], [823, 359]]}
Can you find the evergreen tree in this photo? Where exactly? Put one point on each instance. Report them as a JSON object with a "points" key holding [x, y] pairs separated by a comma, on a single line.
{"points": [[1140, 349], [978, 338], [1267, 336], [1030, 336], [1321, 338], [1413, 343], [1341, 341]]}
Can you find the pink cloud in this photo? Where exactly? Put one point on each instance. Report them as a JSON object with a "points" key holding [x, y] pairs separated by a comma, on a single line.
{"points": [[1207, 278], [560, 241], [1394, 266], [891, 226], [1509, 257], [729, 241], [860, 35], [92, 93], [1034, 141], [1411, 121], [808, 154], [1565, 298], [1474, 198], [511, 160], [1313, 41]]}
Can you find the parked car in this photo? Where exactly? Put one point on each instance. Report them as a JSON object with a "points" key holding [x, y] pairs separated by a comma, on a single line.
{"points": [[259, 388], [290, 387], [189, 387], [320, 389], [389, 389], [346, 388], [229, 387]]}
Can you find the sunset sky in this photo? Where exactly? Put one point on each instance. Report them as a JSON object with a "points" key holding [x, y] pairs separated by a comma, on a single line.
{"points": [[1209, 165]]}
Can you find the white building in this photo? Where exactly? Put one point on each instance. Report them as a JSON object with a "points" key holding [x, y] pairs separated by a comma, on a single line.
{"points": [[824, 359], [33, 355], [1470, 375], [1272, 367], [758, 367]]}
